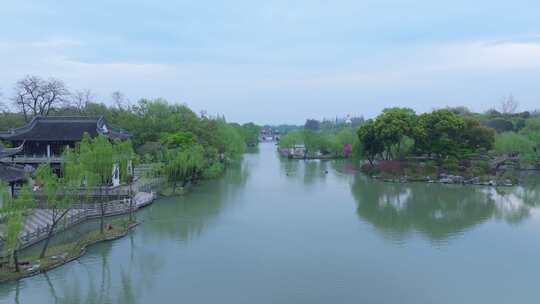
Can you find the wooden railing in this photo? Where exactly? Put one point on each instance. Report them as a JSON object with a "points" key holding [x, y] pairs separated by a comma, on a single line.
{"points": [[33, 159]]}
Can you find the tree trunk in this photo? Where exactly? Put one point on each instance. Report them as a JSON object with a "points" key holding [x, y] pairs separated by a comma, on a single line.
{"points": [[16, 260], [130, 202], [184, 182], [102, 211], [47, 240], [50, 233]]}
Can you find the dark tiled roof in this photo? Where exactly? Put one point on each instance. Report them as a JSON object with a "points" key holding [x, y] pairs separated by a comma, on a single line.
{"points": [[6, 152], [11, 174], [63, 128]]}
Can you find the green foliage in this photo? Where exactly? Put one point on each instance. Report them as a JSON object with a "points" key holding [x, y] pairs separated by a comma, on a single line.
{"points": [[186, 165], [24, 200], [451, 164], [392, 126], [439, 133], [389, 135], [232, 144], [292, 138], [325, 142], [152, 118], [398, 133], [500, 124], [13, 210], [215, 170], [476, 136], [94, 158], [180, 139], [123, 154], [370, 143], [50, 185], [249, 132], [509, 143], [15, 226], [531, 126]]}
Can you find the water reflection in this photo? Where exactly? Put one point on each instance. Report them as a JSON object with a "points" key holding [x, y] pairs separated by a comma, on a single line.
{"points": [[187, 217], [104, 276], [438, 212], [310, 172], [103, 281]]}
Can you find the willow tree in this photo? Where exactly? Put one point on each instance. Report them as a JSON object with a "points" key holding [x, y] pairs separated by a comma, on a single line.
{"points": [[13, 211], [59, 192], [96, 159], [124, 156], [184, 166]]}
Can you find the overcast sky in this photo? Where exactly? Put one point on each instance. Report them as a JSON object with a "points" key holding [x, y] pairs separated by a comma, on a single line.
{"points": [[284, 60]]}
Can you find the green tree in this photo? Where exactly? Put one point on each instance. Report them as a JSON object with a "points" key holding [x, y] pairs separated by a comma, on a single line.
{"points": [[184, 166], [392, 126], [96, 158], [370, 144], [510, 143], [500, 124], [124, 156], [13, 211], [180, 139], [290, 139], [439, 133], [532, 132], [58, 192], [477, 136]]}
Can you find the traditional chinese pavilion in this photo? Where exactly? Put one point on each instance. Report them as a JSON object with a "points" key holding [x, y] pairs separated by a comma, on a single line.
{"points": [[12, 175], [44, 139]]}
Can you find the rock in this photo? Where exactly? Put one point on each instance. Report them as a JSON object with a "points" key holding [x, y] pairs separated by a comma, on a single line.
{"points": [[492, 183], [445, 180], [33, 268], [508, 183], [451, 179]]}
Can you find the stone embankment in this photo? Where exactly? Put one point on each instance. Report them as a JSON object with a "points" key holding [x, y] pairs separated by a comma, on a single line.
{"points": [[451, 179], [37, 223]]}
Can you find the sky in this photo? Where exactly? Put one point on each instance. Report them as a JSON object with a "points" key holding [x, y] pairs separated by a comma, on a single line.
{"points": [[281, 61]]}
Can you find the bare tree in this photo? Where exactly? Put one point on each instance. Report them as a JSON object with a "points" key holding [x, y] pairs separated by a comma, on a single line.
{"points": [[37, 96], [81, 98], [120, 100], [2, 105], [509, 104]]}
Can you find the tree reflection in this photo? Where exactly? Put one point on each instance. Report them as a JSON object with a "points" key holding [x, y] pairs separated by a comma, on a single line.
{"points": [[187, 217], [289, 167], [437, 211]]}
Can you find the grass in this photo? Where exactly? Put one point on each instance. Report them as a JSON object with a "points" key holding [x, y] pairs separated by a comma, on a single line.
{"points": [[61, 254]]}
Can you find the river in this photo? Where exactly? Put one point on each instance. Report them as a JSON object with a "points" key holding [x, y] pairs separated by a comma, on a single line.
{"points": [[284, 231]]}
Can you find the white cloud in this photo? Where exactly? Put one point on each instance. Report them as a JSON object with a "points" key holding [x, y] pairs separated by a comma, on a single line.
{"points": [[418, 74], [487, 56]]}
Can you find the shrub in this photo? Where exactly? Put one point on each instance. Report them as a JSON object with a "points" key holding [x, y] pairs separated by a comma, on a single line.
{"points": [[500, 125], [451, 164], [510, 143]]}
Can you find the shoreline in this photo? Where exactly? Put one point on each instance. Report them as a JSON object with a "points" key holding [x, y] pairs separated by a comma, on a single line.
{"points": [[445, 181], [72, 255]]}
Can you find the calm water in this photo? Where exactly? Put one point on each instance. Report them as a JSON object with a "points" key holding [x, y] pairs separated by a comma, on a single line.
{"points": [[279, 231]]}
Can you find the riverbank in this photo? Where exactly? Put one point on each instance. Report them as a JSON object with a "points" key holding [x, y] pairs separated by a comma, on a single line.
{"points": [[288, 154], [62, 254], [481, 172]]}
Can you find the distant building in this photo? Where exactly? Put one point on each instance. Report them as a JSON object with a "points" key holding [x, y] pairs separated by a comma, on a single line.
{"points": [[44, 139]]}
